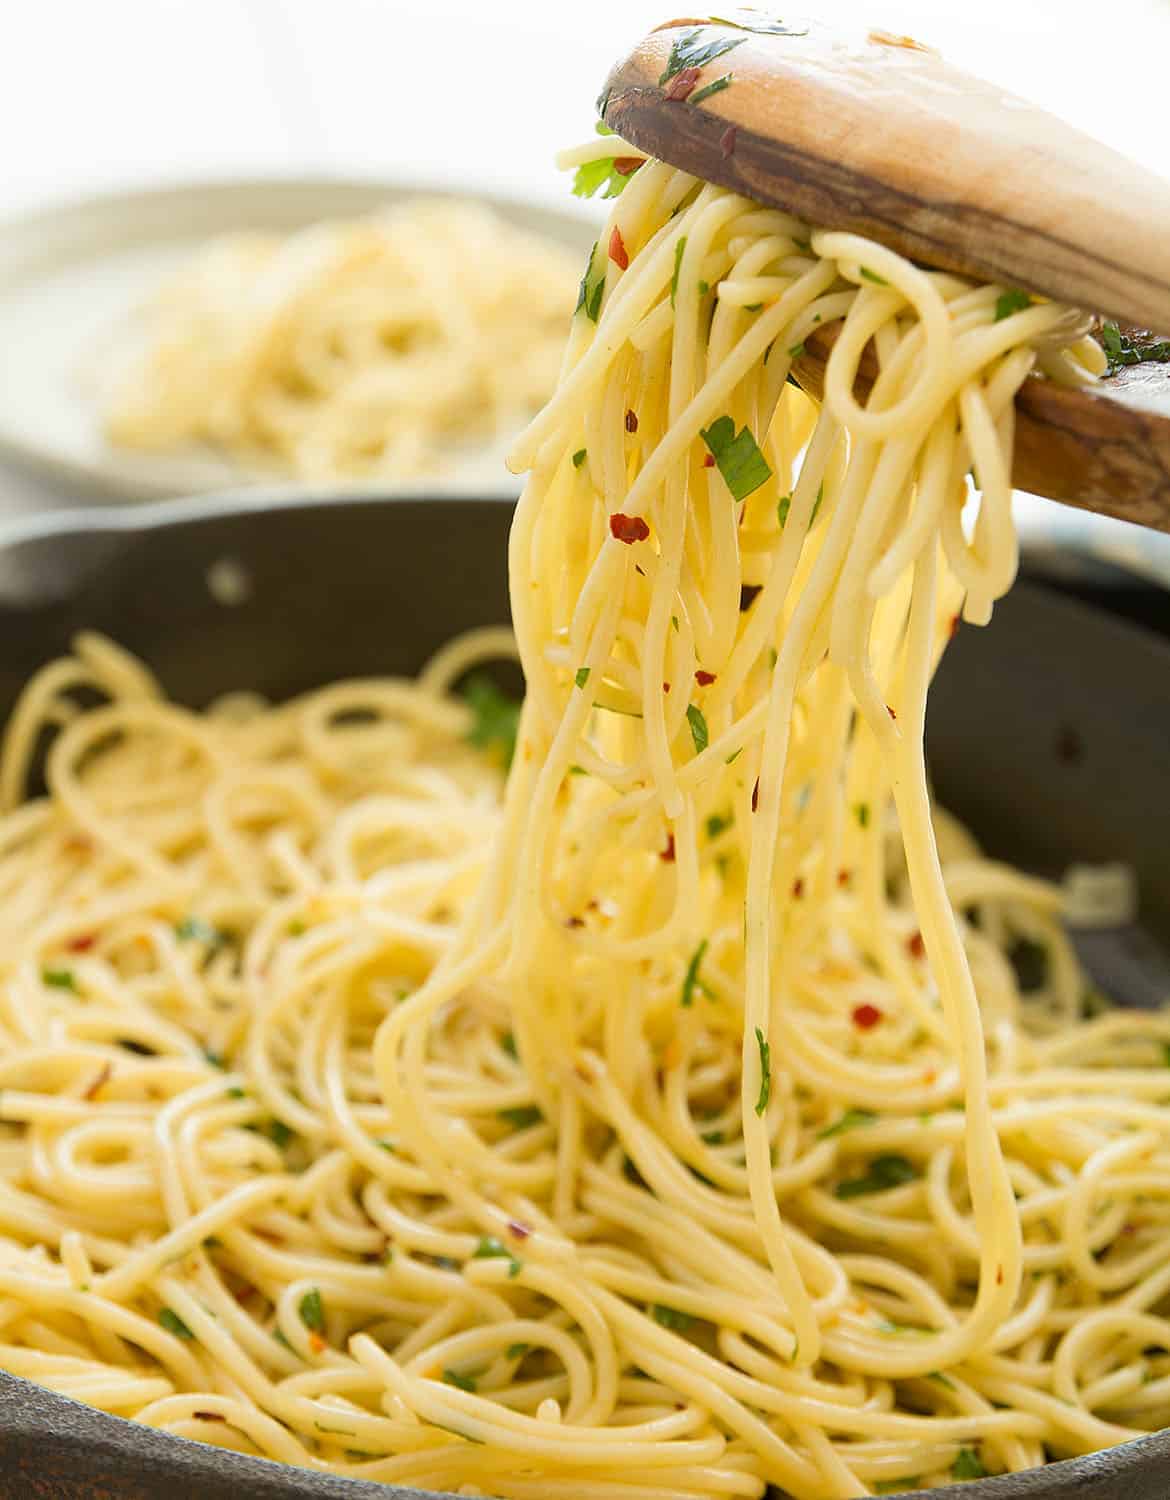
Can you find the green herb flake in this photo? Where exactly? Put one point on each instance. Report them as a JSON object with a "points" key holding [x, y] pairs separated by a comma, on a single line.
{"points": [[1009, 302], [680, 246], [698, 725], [737, 457], [817, 502], [461, 1382], [782, 509], [581, 676], [592, 176], [704, 288], [1129, 348], [689, 50], [883, 1173], [873, 276], [940, 1379], [852, 1119], [516, 1351], [735, 754], [589, 293], [521, 1116], [765, 1072], [496, 717], [674, 623], [312, 1311], [278, 1335], [691, 980], [713, 1138], [671, 1317], [861, 812], [508, 1043], [171, 1321], [278, 1133], [579, 457], [59, 979], [796, 351], [195, 930], [968, 1465], [708, 89], [236, 1092], [601, 128], [717, 822]]}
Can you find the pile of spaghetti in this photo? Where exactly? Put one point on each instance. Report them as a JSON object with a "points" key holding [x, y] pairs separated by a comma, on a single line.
{"points": [[666, 1121], [383, 347]]}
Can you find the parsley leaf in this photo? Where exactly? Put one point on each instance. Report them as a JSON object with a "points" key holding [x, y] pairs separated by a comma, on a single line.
{"points": [[171, 1321], [461, 1382], [691, 981], [737, 457], [717, 822], [490, 1248], [195, 929], [496, 717], [592, 175], [782, 510], [680, 246], [516, 1351], [601, 128], [1012, 301], [581, 676], [711, 88], [765, 1072], [883, 1173], [850, 1120], [508, 1043], [690, 51], [968, 1465], [59, 979], [521, 1116], [579, 458], [671, 1317], [589, 294], [1130, 349], [861, 811], [312, 1311], [698, 725], [873, 276]]}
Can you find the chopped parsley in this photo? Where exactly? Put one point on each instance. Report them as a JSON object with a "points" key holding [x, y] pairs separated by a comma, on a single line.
{"points": [[496, 717], [782, 509], [1130, 349], [516, 1351], [852, 1119], [194, 929], [1012, 301], [490, 1248], [589, 293], [691, 980], [171, 1321], [521, 1116], [817, 502], [861, 812], [765, 1072], [698, 725], [591, 176], [508, 1043], [312, 1311], [717, 822], [968, 1465], [735, 754], [873, 276], [601, 128], [680, 246], [671, 1317], [59, 979], [581, 676], [884, 1172], [737, 457], [796, 351], [710, 88], [461, 1382], [690, 51], [579, 458]]}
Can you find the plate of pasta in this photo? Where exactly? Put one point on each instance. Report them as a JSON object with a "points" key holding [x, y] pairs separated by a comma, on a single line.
{"points": [[185, 339]]}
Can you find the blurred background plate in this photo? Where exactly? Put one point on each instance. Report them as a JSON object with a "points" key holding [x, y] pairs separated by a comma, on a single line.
{"points": [[70, 281]]}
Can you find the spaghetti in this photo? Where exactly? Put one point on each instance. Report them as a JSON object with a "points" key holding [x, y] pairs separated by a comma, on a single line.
{"points": [[383, 347], [669, 1122]]}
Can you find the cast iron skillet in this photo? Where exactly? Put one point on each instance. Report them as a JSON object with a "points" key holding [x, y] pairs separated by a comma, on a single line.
{"points": [[1049, 733]]}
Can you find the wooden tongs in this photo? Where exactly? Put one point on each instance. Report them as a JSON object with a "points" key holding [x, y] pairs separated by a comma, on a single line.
{"points": [[880, 135]]}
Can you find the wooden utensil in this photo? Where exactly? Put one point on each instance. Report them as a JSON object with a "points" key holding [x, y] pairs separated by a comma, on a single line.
{"points": [[878, 134]]}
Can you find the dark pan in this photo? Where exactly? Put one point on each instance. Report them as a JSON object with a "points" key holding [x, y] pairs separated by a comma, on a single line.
{"points": [[1049, 733]]}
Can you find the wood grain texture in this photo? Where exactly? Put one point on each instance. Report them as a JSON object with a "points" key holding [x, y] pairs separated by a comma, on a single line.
{"points": [[879, 136], [896, 143]]}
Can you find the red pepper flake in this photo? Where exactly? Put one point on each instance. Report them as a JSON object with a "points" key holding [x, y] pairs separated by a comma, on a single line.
{"points": [[99, 1082], [929, 1078], [866, 1016], [626, 166], [666, 687], [79, 843], [704, 679], [682, 85], [709, 461], [891, 713], [317, 1344], [747, 595], [999, 1275], [628, 529], [631, 420], [954, 626], [798, 888], [617, 250], [82, 944], [667, 855], [727, 142], [208, 1416], [518, 1230], [915, 946], [756, 795], [844, 878]]}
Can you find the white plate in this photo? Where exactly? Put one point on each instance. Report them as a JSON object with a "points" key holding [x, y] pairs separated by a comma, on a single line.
{"points": [[71, 276]]}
